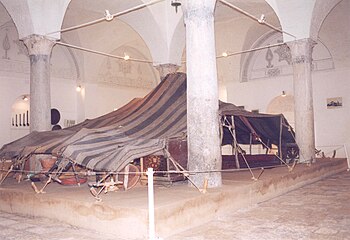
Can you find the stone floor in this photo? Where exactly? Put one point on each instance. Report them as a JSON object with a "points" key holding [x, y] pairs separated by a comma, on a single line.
{"points": [[15, 227], [317, 211]]}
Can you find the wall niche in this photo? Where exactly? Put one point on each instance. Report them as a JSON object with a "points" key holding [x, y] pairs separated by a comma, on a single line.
{"points": [[20, 118]]}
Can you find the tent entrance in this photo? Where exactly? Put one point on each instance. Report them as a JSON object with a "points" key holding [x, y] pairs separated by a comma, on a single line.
{"points": [[239, 157]]}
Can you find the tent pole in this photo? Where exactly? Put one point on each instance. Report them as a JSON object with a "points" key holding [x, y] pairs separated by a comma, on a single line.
{"points": [[238, 166], [267, 149], [250, 143], [280, 142]]}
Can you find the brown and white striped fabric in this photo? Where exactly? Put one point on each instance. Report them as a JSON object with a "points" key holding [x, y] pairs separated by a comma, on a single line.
{"points": [[109, 142], [140, 128]]}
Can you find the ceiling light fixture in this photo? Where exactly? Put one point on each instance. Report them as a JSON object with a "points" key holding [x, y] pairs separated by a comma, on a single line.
{"points": [[176, 4], [224, 54], [108, 16], [25, 98], [78, 89], [126, 57], [283, 94], [262, 19]]}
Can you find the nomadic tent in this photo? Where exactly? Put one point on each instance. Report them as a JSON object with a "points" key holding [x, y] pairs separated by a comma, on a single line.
{"points": [[143, 127]]}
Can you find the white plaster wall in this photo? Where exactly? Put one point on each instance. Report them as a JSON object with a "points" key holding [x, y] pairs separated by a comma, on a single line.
{"points": [[99, 99], [229, 37], [64, 99], [332, 125], [290, 19], [116, 38], [95, 99], [10, 89], [14, 82], [258, 94], [102, 99]]}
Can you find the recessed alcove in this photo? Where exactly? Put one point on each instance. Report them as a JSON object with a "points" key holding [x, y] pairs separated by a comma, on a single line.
{"points": [[20, 116]]}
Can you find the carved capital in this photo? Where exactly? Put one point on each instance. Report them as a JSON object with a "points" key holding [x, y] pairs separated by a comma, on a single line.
{"points": [[301, 50], [198, 10], [38, 45], [302, 59], [165, 69]]}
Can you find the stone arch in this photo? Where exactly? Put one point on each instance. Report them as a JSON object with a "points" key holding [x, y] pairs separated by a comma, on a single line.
{"points": [[127, 73], [74, 59], [37, 18], [106, 39], [183, 66], [14, 49], [247, 59], [319, 14], [151, 34], [178, 44], [276, 61]]}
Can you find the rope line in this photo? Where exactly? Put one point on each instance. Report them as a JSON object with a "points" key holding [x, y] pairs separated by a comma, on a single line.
{"points": [[92, 173], [103, 53], [230, 128], [255, 18], [259, 139], [250, 50], [105, 18]]}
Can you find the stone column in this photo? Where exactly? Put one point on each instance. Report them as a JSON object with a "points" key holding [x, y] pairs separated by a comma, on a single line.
{"points": [[204, 144], [39, 49], [301, 51], [165, 69]]}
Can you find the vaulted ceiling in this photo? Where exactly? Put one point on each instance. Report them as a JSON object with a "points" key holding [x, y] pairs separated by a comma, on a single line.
{"points": [[157, 33]]}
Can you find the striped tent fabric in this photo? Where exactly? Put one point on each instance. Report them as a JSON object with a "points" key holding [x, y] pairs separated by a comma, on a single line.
{"points": [[142, 127], [31, 143], [108, 143]]}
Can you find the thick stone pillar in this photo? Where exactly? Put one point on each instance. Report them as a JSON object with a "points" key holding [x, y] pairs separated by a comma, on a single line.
{"points": [[39, 49], [165, 69], [204, 146], [301, 51]]}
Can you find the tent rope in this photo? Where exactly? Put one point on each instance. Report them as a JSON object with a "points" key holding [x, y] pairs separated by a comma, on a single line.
{"points": [[230, 128]]}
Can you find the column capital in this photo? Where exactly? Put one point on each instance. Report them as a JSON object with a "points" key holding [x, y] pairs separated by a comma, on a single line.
{"points": [[38, 44], [203, 9], [301, 50], [165, 69]]}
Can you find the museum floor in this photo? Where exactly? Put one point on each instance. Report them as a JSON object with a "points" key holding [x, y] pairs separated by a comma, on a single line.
{"points": [[241, 209]]}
